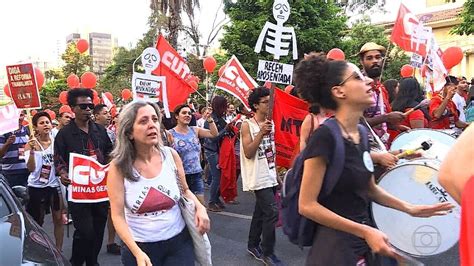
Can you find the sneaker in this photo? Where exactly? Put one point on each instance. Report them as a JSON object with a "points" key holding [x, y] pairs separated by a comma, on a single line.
{"points": [[272, 260], [256, 253], [113, 249], [221, 205], [213, 207]]}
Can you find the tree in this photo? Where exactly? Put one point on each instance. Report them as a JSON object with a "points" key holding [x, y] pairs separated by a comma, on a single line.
{"points": [[363, 32], [467, 15], [319, 26], [174, 8], [76, 63]]}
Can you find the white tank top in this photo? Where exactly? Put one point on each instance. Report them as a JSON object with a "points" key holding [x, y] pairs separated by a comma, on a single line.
{"points": [[151, 208], [44, 174]]}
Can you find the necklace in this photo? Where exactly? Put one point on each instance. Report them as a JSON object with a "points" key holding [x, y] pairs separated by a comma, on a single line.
{"points": [[345, 131]]}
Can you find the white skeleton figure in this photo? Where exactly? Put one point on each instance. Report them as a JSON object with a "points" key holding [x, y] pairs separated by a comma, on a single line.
{"points": [[150, 59], [279, 37]]}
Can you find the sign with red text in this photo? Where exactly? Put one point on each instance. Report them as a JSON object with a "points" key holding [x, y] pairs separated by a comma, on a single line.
{"points": [[236, 81], [9, 116], [23, 86], [88, 179], [288, 115], [176, 71]]}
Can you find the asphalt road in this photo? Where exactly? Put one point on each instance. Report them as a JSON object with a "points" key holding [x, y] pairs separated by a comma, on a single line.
{"points": [[229, 232]]}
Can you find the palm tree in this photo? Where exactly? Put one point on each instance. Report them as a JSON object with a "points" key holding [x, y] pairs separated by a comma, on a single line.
{"points": [[173, 10]]}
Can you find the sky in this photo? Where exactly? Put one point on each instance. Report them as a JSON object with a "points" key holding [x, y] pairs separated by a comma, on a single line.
{"points": [[38, 28]]}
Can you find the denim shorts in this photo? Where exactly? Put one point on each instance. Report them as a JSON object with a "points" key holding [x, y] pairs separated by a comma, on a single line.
{"points": [[195, 183]]}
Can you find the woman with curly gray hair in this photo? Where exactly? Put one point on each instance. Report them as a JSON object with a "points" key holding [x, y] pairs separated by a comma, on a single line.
{"points": [[144, 193]]}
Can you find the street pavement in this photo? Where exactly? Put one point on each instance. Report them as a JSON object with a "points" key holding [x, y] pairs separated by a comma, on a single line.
{"points": [[229, 232]]}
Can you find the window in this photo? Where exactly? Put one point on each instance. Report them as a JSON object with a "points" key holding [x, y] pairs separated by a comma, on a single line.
{"points": [[4, 208]]}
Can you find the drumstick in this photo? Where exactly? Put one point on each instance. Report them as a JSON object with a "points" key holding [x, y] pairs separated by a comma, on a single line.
{"points": [[425, 145], [423, 103]]}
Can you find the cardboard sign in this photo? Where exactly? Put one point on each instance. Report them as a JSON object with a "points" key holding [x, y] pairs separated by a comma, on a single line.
{"points": [[88, 179], [274, 72], [176, 71], [9, 116], [236, 81], [416, 60], [276, 38], [288, 115], [23, 86]]}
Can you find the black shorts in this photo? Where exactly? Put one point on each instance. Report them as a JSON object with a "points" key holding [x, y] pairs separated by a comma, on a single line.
{"points": [[42, 201]]}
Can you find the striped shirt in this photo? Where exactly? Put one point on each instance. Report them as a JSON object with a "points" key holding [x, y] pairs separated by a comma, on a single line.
{"points": [[12, 162]]}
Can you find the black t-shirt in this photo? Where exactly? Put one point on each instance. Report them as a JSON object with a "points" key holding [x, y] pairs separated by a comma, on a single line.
{"points": [[349, 197]]}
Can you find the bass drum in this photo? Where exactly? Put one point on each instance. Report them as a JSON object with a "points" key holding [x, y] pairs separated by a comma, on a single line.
{"points": [[416, 182], [442, 141]]}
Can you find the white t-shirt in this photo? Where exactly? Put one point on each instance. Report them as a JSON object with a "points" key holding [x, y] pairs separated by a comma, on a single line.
{"points": [[200, 122], [460, 103], [44, 174], [151, 208], [258, 172]]}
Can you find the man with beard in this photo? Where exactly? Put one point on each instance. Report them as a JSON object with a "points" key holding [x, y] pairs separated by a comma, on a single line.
{"points": [[459, 98], [380, 115]]}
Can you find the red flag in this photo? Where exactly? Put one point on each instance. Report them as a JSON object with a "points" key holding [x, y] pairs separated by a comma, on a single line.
{"points": [[288, 115], [176, 71], [88, 179], [408, 32], [236, 81]]}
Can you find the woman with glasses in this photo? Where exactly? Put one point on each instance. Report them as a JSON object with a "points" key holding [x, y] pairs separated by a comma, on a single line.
{"points": [[345, 234], [145, 182], [43, 184], [186, 143]]}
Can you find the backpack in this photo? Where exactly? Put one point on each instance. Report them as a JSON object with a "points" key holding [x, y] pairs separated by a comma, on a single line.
{"points": [[469, 112], [299, 229]]}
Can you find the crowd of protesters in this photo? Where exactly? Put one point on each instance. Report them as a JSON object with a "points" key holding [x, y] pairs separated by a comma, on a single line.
{"points": [[215, 145]]}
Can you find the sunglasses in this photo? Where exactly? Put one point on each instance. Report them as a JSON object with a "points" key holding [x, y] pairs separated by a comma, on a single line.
{"points": [[356, 75], [84, 106]]}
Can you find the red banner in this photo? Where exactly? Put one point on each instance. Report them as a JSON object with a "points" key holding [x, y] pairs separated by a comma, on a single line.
{"points": [[408, 32], [176, 71], [236, 81], [88, 179], [288, 115], [23, 86]]}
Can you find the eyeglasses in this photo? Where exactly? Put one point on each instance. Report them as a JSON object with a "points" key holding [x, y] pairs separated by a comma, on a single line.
{"points": [[84, 106], [354, 75]]}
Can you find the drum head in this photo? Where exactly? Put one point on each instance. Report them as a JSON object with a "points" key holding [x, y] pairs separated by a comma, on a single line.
{"points": [[416, 182], [441, 140]]}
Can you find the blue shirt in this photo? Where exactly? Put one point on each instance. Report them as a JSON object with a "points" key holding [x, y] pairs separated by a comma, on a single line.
{"points": [[13, 162], [189, 149]]}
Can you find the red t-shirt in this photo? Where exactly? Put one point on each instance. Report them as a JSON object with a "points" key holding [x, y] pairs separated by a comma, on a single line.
{"points": [[466, 241], [449, 116], [416, 115]]}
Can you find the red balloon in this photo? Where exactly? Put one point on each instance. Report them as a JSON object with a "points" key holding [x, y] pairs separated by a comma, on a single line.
{"points": [[25, 123], [6, 90], [96, 100], [72, 81], [65, 109], [289, 88], [336, 54], [126, 94], [109, 96], [452, 56], [39, 78], [209, 64], [33, 112], [194, 85], [82, 45], [89, 80], [63, 97], [221, 70], [113, 111], [406, 71]]}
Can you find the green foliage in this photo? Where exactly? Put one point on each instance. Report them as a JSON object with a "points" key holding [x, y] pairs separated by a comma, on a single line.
{"points": [[76, 63], [363, 32], [467, 15], [50, 93], [319, 26]]}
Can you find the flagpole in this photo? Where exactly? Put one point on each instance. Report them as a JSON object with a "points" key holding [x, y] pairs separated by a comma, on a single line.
{"points": [[383, 64]]}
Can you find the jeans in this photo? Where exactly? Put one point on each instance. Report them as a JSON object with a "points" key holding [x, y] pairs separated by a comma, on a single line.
{"points": [[195, 183], [212, 160], [178, 250], [16, 179], [89, 220], [264, 219]]}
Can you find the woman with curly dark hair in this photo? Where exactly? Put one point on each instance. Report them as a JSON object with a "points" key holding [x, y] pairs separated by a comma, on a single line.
{"points": [[345, 235]]}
